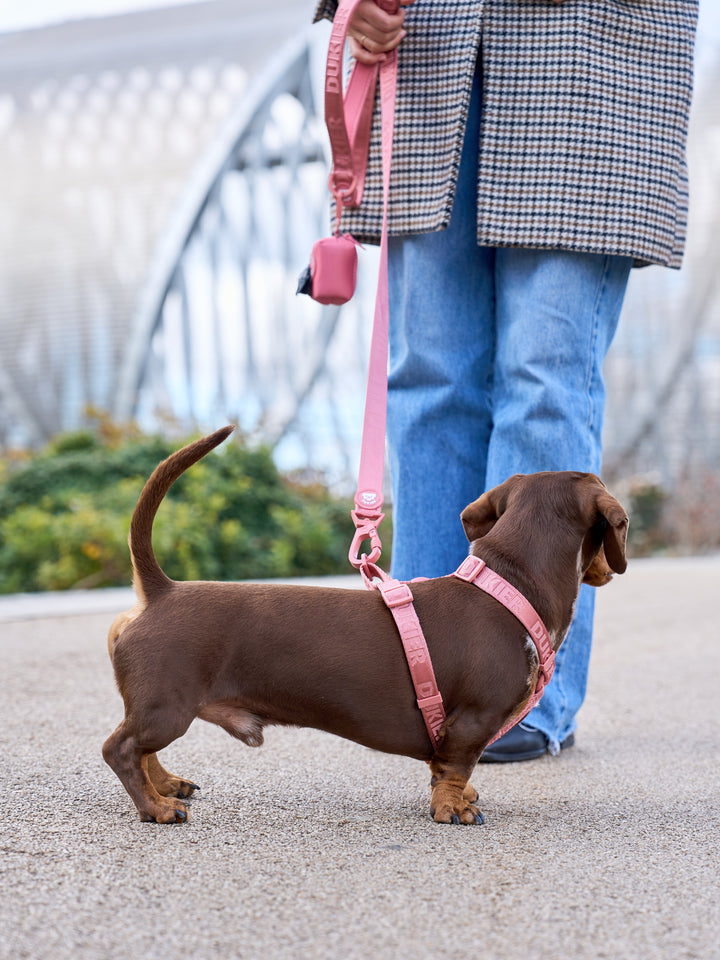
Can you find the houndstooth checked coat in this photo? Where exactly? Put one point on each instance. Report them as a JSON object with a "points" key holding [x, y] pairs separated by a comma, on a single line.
{"points": [[583, 131]]}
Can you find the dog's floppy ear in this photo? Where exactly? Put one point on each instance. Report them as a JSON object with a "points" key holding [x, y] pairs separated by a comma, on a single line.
{"points": [[480, 516], [615, 533]]}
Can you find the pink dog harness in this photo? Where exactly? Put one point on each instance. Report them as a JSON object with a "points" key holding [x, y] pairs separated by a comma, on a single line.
{"points": [[349, 141], [398, 597]]}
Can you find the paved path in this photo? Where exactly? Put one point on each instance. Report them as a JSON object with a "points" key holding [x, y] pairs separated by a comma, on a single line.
{"points": [[316, 848]]}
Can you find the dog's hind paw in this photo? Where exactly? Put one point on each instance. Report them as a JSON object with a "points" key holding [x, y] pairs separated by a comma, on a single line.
{"points": [[182, 789], [167, 813], [167, 784]]}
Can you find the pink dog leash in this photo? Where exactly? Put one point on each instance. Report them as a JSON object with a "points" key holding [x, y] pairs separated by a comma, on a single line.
{"points": [[349, 118], [349, 141]]}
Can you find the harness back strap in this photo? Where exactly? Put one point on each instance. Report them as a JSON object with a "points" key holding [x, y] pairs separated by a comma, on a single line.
{"points": [[399, 600]]}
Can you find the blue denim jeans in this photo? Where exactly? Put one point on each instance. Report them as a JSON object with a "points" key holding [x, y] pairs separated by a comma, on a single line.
{"points": [[495, 368]]}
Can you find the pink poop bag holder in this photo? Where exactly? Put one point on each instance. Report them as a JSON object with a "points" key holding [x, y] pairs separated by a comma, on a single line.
{"points": [[331, 275]]}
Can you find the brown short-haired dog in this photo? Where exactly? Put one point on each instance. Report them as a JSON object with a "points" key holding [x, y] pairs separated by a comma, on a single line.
{"points": [[246, 655]]}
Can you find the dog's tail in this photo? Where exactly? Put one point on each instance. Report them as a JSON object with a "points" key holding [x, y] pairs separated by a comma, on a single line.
{"points": [[148, 578]]}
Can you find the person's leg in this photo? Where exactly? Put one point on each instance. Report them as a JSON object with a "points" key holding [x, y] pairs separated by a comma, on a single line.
{"points": [[556, 314], [441, 361]]}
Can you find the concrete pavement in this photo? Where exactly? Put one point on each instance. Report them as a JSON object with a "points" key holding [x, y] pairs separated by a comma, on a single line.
{"points": [[312, 847]]}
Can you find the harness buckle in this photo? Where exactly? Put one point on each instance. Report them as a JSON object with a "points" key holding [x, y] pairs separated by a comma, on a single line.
{"points": [[545, 672]]}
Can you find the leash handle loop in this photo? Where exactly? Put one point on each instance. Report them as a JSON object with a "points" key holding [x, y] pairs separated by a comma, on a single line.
{"points": [[348, 113]]}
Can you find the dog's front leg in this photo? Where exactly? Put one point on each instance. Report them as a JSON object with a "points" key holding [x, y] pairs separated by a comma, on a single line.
{"points": [[453, 796]]}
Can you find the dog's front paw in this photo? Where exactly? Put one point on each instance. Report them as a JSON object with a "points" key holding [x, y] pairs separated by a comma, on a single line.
{"points": [[470, 794], [452, 803], [466, 814]]}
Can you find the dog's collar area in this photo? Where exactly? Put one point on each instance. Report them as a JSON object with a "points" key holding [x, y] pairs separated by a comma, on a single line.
{"points": [[476, 571], [398, 598]]}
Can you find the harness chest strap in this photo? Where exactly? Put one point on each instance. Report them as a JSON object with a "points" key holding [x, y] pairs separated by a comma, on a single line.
{"points": [[474, 570], [399, 600]]}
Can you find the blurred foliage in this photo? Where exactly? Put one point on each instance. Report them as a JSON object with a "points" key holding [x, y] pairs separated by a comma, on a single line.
{"points": [[684, 520], [645, 503], [65, 514]]}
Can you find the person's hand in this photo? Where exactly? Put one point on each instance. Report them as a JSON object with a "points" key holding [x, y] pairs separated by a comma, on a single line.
{"points": [[374, 33]]}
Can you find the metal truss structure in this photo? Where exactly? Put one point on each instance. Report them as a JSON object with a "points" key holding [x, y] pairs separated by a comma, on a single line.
{"points": [[152, 227]]}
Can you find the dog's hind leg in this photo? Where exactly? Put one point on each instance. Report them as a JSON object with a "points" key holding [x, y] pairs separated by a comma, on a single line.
{"points": [[128, 754], [167, 784]]}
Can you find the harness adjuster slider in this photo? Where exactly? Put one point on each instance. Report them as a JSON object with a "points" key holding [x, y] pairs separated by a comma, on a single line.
{"points": [[469, 569], [395, 594], [434, 701], [545, 672]]}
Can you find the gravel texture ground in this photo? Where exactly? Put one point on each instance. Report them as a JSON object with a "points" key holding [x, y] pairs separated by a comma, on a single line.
{"points": [[313, 847]]}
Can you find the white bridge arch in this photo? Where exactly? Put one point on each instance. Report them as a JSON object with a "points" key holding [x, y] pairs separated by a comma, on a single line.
{"points": [[161, 199]]}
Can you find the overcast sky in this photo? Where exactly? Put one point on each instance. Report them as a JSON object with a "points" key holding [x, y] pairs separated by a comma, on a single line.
{"points": [[37, 13], [19, 14]]}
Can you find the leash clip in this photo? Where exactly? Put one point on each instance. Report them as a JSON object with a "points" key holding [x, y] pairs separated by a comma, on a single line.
{"points": [[365, 529], [367, 517]]}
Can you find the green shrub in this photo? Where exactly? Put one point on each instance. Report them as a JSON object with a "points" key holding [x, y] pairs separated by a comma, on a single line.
{"points": [[646, 500], [65, 513]]}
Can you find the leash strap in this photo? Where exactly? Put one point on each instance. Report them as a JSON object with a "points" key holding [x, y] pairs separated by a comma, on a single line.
{"points": [[349, 141], [349, 119], [367, 514]]}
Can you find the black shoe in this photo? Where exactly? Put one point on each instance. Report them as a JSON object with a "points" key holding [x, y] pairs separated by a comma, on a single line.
{"points": [[521, 743]]}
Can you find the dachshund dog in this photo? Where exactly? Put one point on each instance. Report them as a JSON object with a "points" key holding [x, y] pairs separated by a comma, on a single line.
{"points": [[244, 655]]}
